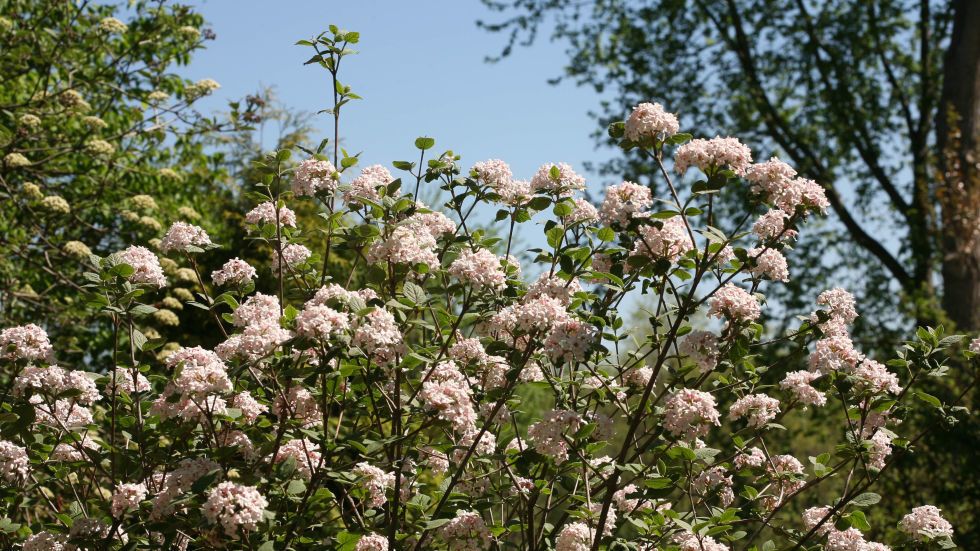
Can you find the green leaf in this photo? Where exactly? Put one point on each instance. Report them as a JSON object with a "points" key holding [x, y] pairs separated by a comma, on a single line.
{"points": [[866, 499], [425, 143], [858, 520], [606, 234]]}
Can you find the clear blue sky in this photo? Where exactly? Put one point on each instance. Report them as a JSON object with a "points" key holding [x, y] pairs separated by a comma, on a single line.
{"points": [[421, 71]]}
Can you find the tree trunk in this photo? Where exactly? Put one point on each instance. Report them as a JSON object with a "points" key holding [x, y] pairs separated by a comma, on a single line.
{"points": [[958, 141]]}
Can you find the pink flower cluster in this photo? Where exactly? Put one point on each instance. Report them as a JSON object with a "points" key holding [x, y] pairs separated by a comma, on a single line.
{"points": [[314, 176], [372, 542], [145, 264], [576, 536], [800, 385], [127, 498], [558, 178], [466, 532], [234, 272], [711, 155], [768, 263], [777, 181], [447, 392], [689, 413], [28, 342], [926, 522], [265, 213], [304, 452], [668, 241], [623, 202], [759, 409], [771, 225], [317, 321], [15, 466], [236, 507], [570, 341], [366, 185], [378, 336], [182, 235], [649, 121], [702, 348], [375, 482], [734, 303], [480, 268], [548, 435]]}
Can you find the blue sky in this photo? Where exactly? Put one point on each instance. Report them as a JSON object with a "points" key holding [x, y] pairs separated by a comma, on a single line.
{"points": [[421, 71]]}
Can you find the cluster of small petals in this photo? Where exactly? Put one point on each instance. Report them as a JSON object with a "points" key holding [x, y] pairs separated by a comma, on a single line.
{"points": [[558, 178], [14, 463], [313, 176], [265, 213], [201, 371], [293, 255], [623, 202], [649, 121], [799, 383], [249, 406], [234, 272], [759, 409], [494, 173], [715, 479], [304, 452], [434, 222], [372, 542], [366, 185], [689, 413], [576, 536], [126, 498], [875, 378], [406, 245], [548, 434], [235, 507], [51, 380], [751, 457], [881, 448], [468, 351], [182, 235], [145, 264], [814, 516], [771, 225], [28, 342], [769, 263], [926, 522], [448, 393], [480, 268], [975, 345], [582, 211], [300, 404], [174, 483], [669, 241], [466, 532], [318, 321], [554, 287], [639, 377], [187, 407], [255, 342], [47, 541], [845, 540], [734, 303], [75, 450], [712, 154], [840, 306], [378, 336], [771, 178], [570, 341], [63, 414], [375, 482], [686, 541], [834, 353], [258, 309], [702, 348], [785, 473]]}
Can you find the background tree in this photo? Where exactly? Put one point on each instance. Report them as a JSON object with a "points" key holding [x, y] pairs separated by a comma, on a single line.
{"points": [[877, 101]]}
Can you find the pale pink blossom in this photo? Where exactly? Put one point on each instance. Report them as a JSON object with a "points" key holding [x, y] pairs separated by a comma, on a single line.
{"points": [[557, 178], [494, 173], [321, 322], [375, 483], [734, 303], [304, 452], [378, 336], [313, 176], [926, 522], [299, 404], [466, 532], [366, 185], [570, 341], [249, 406], [702, 348], [768, 263], [127, 498], [814, 516], [447, 392], [28, 342], [649, 121], [236, 507], [834, 353], [623, 202], [715, 480], [772, 225], [15, 466], [881, 448], [182, 235], [799, 383], [576, 536], [293, 255], [127, 381], [689, 413], [258, 309], [47, 541], [145, 264], [554, 287], [548, 435], [759, 409], [372, 542], [480, 268], [668, 241], [875, 378], [713, 154], [201, 372], [751, 457], [234, 272], [686, 541], [265, 213]]}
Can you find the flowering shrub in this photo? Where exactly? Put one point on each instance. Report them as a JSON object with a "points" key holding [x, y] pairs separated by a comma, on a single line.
{"points": [[435, 399]]}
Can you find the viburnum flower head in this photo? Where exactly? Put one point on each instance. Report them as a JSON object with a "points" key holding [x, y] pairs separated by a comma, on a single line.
{"points": [[649, 121], [480, 268], [711, 155], [375, 482], [236, 507], [768, 263], [576, 536], [759, 409], [366, 185], [734, 303], [669, 240], [493, 173], [126, 498], [265, 213], [623, 202], [570, 341], [314, 176], [318, 321], [466, 532], [558, 178], [926, 522], [702, 348], [146, 266], [182, 235], [798, 383], [689, 413], [372, 542], [771, 225], [15, 465], [234, 272], [28, 342], [304, 452]]}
